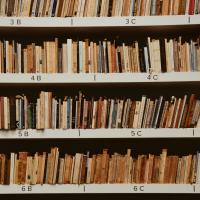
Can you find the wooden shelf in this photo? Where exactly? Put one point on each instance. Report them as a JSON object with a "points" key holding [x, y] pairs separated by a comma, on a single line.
{"points": [[100, 188], [100, 133], [173, 77], [44, 22]]}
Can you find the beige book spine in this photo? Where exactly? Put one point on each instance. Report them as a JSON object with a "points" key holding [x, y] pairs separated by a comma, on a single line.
{"points": [[136, 114], [89, 169], [93, 167], [29, 170], [163, 157], [61, 168], [55, 166], [5, 112], [16, 170], [57, 7], [51, 165], [37, 59], [72, 173], [12, 168], [47, 168], [82, 8], [167, 56], [141, 113], [147, 169], [64, 58], [176, 113], [77, 165], [35, 169], [110, 170], [69, 55], [55, 53], [42, 168]]}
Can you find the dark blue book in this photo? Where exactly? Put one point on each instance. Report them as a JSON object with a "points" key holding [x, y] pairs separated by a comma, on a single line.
{"points": [[54, 8]]}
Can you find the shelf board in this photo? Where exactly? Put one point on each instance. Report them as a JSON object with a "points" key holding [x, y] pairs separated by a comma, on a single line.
{"points": [[56, 22], [172, 77], [134, 21], [100, 133], [100, 188]]}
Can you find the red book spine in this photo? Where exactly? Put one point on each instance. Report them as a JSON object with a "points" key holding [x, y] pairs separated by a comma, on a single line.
{"points": [[191, 7]]}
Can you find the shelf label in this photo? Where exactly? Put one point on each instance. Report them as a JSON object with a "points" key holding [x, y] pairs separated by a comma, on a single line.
{"points": [[136, 133], [94, 77], [36, 78], [130, 21], [153, 77], [23, 133], [137, 188], [26, 188], [188, 19], [194, 188], [15, 22]]}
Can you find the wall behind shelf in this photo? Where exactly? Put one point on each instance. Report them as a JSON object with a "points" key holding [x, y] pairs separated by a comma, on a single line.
{"points": [[179, 146], [133, 90], [103, 196], [121, 34]]}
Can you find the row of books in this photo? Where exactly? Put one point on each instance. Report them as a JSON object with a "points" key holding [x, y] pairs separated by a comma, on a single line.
{"points": [[51, 168], [97, 8], [87, 56], [50, 112]]}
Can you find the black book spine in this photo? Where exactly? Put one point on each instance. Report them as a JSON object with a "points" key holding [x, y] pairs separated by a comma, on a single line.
{"points": [[7, 172], [163, 56], [68, 112], [149, 61], [77, 57], [108, 112], [141, 59], [99, 8], [12, 113], [16, 67], [54, 8], [4, 56], [110, 8], [73, 112], [22, 114], [106, 60], [90, 108], [58, 114], [119, 61]]}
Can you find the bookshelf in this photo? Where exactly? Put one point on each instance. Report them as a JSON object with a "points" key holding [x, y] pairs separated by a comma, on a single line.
{"points": [[32, 24]]}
